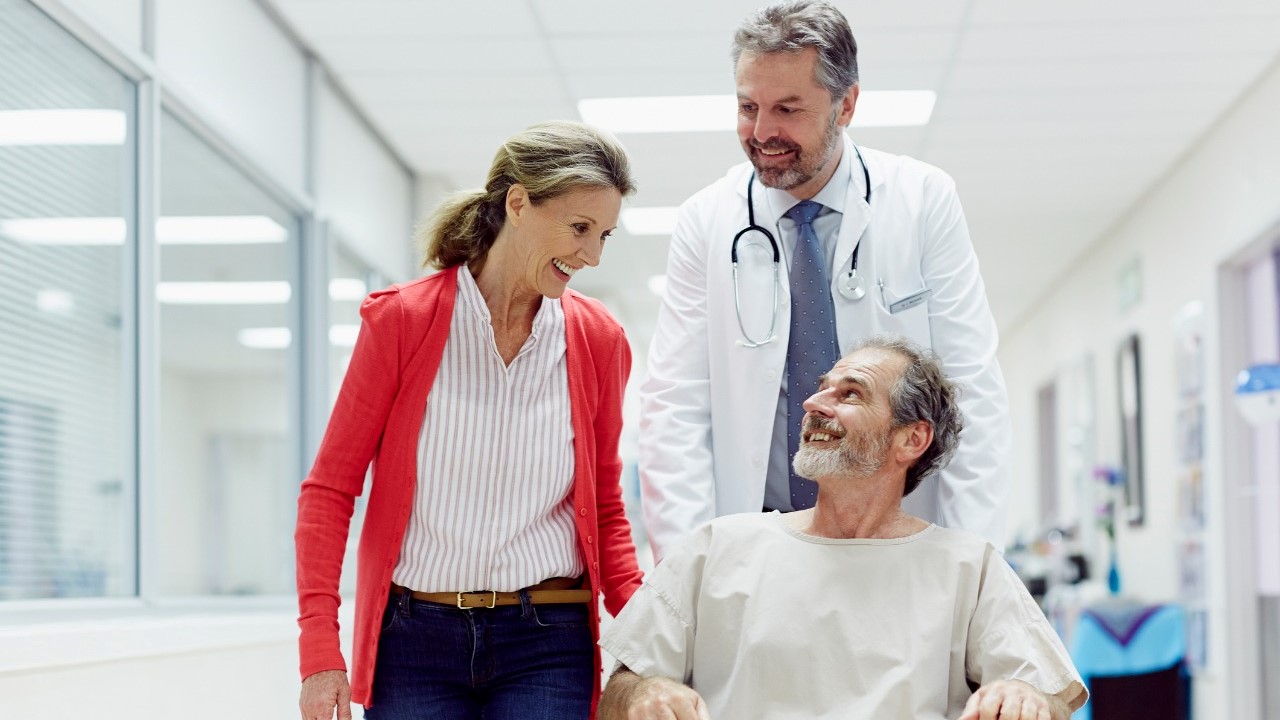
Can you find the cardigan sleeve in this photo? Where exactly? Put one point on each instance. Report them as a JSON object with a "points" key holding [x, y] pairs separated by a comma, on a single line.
{"points": [[620, 575], [327, 497]]}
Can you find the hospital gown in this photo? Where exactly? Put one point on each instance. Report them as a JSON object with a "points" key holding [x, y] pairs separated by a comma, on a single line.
{"points": [[765, 621]]}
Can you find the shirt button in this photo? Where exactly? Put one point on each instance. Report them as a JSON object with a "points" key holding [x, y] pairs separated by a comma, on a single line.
{"points": [[755, 460], [773, 375], [582, 512], [595, 566], [590, 539]]}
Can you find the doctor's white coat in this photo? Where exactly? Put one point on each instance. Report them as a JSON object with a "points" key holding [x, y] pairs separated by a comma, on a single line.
{"points": [[708, 402]]}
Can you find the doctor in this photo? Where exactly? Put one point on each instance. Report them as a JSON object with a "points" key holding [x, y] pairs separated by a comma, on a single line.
{"points": [[764, 291]]}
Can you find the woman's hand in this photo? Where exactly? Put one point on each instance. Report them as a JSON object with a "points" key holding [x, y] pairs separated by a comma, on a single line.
{"points": [[324, 691]]}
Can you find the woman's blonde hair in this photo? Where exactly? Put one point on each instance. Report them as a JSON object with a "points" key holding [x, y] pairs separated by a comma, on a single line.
{"points": [[548, 159]]}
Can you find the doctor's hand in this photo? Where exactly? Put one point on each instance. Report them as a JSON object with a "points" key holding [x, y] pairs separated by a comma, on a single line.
{"points": [[323, 691], [631, 697], [1013, 700]]}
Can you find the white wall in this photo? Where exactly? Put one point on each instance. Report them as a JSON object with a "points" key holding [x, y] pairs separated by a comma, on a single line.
{"points": [[1222, 196], [366, 195], [179, 520], [234, 66], [119, 19], [429, 191], [237, 543], [212, 669]]}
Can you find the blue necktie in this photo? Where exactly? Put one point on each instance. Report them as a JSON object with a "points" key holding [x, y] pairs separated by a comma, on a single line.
{"points": [[811, 344]]}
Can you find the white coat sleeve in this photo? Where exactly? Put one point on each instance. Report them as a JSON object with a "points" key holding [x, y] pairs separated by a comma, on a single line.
{"points": [[973, 492], [675, 456]]}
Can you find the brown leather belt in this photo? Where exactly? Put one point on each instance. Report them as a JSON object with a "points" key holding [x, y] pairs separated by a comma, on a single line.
{"points": [[553, 591]]}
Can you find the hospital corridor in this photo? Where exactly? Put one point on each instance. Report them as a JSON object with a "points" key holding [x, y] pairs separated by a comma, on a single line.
{"points": [[452, 359]]}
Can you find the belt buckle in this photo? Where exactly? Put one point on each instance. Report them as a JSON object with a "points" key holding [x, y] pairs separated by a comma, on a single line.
{"points": [[493, 600]]}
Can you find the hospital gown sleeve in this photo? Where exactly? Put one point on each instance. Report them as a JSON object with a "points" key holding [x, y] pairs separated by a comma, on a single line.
{"points": [[654, 634], [1010, 639]]}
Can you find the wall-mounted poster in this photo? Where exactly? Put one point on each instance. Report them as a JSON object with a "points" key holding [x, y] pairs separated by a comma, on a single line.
{"points": [[1129, 384]]}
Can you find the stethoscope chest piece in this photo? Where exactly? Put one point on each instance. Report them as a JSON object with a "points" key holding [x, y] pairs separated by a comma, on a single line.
{"points": [[851, 286]]}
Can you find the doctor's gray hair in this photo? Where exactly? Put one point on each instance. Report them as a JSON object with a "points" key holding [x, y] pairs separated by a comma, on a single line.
{"points": [[549, 159], [922, 393], [792, 26]]}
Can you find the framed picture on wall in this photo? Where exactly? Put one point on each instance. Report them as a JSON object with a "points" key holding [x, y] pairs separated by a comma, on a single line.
{"points": [[1129, 386]]}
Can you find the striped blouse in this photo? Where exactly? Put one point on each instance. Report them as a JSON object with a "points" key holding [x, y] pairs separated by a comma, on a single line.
{"points": [[493, 508]]}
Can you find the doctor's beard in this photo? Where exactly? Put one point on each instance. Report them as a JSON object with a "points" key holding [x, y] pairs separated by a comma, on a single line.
{"points": [[803, 167], [857, 457]]}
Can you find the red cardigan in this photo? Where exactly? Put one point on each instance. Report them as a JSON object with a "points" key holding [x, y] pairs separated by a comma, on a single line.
{"points": [[377, 419]]}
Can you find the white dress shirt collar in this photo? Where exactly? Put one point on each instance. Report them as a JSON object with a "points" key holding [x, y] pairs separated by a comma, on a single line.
{"points": [[832, 195]]}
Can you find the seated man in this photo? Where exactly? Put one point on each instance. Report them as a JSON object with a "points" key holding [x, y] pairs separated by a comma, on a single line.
{"points": [[852, 609]]}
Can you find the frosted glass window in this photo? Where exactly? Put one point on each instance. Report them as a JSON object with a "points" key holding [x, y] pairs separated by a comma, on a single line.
{"points": [[228, 423], [67, 493]]}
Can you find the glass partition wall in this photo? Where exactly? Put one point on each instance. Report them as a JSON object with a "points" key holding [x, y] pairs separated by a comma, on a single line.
{"points": [[67, 235], [227, 346], [164, 301]]}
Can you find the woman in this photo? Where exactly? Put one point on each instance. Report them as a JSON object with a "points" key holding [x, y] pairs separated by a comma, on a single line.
{"points": [[488, 398]]}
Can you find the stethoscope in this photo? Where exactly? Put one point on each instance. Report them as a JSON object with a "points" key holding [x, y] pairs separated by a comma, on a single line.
{"points": [[850, 286]]}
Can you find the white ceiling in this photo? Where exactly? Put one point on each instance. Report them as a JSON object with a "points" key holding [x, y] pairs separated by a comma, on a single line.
{"points": [[1053, 117]]}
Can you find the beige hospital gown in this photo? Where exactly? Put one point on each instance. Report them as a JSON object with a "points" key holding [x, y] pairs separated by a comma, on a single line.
{"points": [[767, 622]]}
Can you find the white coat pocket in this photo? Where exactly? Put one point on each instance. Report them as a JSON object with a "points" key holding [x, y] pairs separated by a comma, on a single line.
{"points": [[904, 311]]}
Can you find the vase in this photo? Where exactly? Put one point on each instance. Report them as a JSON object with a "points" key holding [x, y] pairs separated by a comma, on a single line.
{"points": [[1113, 573]]}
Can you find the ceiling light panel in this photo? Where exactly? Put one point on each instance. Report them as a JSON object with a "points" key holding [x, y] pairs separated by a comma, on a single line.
{"points": [[347, 289], [894, 108], [277, 338], [55, 301], [343, 335], [671, 113], [274, 292], [66, 231], [219, 230], [265, 338], [180, 230], [63, 127]]}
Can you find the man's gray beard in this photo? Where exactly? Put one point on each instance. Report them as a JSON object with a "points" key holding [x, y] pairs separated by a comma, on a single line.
{"points": [[801, 173], [856, 459]]}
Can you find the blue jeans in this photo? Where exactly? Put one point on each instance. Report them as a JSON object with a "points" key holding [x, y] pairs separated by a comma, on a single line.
{"points": [[513, 662]]}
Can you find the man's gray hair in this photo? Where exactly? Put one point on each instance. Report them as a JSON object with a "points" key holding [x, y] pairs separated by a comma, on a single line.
{"points": [[792, 26], [921, 392]]}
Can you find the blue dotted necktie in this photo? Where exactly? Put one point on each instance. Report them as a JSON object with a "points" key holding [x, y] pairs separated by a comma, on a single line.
{"points": [[811, 345]]}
